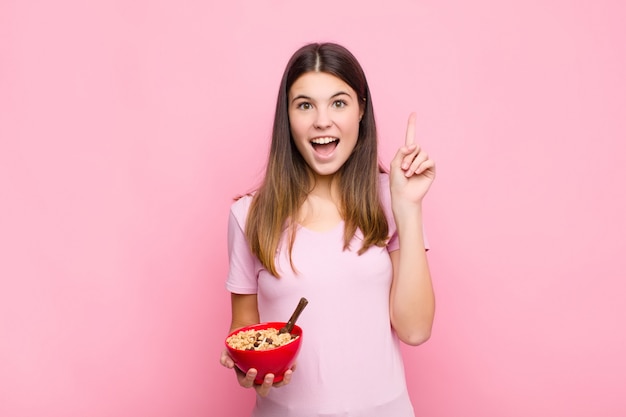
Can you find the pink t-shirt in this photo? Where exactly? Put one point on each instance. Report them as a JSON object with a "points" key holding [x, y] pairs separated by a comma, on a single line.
{"points": [[351, 370]]}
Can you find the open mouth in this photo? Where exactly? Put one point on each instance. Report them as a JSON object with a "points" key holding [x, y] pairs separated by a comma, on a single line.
{"points": [[325, 145]]}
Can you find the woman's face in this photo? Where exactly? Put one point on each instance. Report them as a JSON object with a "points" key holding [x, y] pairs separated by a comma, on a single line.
{"points": [[324, 116]]}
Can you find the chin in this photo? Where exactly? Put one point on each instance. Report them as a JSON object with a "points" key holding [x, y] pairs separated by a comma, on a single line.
{"points": [[324, 172]]}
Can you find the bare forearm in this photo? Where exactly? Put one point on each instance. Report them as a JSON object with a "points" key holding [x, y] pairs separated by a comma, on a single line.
{"points": [[244, 311], [412, 302]]}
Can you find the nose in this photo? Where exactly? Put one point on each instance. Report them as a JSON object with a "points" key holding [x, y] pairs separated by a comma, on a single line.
{"points": [[322, 119]]}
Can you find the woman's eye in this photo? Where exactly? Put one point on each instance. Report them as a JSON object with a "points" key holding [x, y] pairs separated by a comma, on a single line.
{"points": [[304, 106], [338, 104]]}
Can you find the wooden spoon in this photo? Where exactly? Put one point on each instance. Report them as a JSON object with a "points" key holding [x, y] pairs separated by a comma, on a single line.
{"points": [[288, 327]]}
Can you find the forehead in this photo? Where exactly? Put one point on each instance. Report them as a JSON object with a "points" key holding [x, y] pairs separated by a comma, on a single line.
{"points": [[319, 85]]}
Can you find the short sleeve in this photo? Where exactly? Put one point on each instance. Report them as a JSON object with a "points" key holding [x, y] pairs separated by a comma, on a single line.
{"points": [[243, 265]]}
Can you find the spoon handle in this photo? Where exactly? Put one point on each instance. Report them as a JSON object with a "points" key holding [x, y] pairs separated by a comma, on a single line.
{"points": [[292, 320]]}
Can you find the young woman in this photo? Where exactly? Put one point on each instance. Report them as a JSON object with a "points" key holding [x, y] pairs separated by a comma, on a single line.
{"points": [[329, 224]]}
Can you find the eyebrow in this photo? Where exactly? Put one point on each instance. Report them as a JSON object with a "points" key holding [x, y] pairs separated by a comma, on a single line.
{"points": [[302, 96]]}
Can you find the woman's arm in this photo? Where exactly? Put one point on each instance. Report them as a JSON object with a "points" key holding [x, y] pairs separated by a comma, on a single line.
{"points": [[412, 300], [245, 311]]}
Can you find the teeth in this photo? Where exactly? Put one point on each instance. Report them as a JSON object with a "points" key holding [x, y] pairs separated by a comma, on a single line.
{"points": [[323, 141]]}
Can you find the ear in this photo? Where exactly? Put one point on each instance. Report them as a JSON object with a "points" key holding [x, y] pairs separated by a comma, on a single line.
{"points": [[362, 108]]}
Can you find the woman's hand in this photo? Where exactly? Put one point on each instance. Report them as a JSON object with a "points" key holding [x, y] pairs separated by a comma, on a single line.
{"points": [[247, 380], [412, 171]]}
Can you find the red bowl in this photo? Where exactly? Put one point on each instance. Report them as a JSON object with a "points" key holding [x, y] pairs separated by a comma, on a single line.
{"points": [[273, 361]]}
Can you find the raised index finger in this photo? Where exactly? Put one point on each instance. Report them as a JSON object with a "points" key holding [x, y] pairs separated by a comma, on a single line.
{"points": [[410, 130]]}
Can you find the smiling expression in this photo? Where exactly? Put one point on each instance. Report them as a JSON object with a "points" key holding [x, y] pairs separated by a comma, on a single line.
{"points": [[324, 116]]}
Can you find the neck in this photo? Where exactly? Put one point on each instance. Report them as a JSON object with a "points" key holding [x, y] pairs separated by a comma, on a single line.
{"points": [[321, 208], [325, 186]]}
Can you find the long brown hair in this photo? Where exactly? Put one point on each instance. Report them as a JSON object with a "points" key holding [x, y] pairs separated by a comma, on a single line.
{"points": [[288, 180]]}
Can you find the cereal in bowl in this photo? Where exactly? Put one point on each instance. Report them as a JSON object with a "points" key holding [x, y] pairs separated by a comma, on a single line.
{"points": [[265, 339]]}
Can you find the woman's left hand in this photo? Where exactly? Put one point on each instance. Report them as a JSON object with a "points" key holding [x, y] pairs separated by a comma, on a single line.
{"points": [[412, 171]]}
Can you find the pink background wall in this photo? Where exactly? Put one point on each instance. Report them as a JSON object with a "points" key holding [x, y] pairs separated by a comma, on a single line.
{"points": [[127, 127]]}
